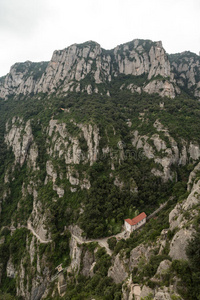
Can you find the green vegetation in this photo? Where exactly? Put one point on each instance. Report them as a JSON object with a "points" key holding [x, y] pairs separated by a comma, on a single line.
{"points": [[193, 253], [190, 59], [187, 272], [100, 210], [6, 296], [189, 286], [14, 247], [57, 251], [148, 233], [99, 285], [178, 57], [112, 243], [106, 204], [102, 288], [147, 271], [31, 69]]}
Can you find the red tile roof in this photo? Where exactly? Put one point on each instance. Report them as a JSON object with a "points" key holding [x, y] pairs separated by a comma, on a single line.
{"points": [[137, 219]]}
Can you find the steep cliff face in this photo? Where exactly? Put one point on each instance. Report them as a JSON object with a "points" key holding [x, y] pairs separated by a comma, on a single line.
{"points": [[76, 149], [83, 147], [139, 57], [186, 69], [19, 137], [23, 78], [85, 66], [183, 220]]}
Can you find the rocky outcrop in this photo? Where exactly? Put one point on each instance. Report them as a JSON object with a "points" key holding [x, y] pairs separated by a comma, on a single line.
{"points": [[135, 256], [22, 289], [75, 255], [166, 294], [185, 211], [161, 87], [50, 171], [52, 176], [19, 136], [140, 56], [141, 253], [192, 177], [62, 285], [68, 159], [68, 147], [37, 288], [167, 156], [163, 268], [132, 290], [181, 217], [91, 135], [88, 264], [135, 291], [166, 152], [179, 243], [186, 67], [23, 78], [68, 69], [37, 220], [81, 259], [194, 151], [117, 272], [62, 143], [10, 269]]}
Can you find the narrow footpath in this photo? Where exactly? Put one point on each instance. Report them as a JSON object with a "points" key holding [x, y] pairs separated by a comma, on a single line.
{"points": [[103, 242], [29, 227]]}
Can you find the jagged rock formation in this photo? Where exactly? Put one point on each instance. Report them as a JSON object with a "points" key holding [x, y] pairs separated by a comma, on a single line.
{"points": [[22, 78], [21, 142], [60, 143], [186, 67], [82, 143], [117, 272], [83, 67], [170, 155]]}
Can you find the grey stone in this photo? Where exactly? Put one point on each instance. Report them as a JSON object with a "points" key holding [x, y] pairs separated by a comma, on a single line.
{"points": [[71, 65], [88, 261], [179, 243], [117, 272]]}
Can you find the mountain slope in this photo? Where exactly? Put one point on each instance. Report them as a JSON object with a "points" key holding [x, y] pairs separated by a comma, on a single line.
{"points": [[87, 140]]}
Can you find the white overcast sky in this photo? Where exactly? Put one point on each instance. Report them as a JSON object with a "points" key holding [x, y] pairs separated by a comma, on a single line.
{"points": [[33, 29]]}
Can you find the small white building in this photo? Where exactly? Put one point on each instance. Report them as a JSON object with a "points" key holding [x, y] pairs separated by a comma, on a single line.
{"points": [[135, 223]]}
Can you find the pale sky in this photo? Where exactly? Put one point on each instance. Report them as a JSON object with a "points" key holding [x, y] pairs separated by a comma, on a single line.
{"points": [[33, 29]]}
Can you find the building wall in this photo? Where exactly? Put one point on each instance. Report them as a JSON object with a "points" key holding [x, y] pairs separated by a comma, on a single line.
{"points": [[127, 226], [130, 228], [139, 224]]}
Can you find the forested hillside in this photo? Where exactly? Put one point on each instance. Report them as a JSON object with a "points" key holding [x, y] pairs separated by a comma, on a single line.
{"points": [[87, 140]]}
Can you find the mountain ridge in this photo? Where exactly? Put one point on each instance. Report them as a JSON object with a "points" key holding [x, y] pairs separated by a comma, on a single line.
{"points": [[89, 139], [70, 67]]}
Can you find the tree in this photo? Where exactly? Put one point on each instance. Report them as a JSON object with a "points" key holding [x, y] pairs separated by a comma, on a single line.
{"points": [[193, 251]]}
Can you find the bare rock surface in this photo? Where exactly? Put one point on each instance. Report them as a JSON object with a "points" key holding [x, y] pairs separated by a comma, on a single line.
{"points": [[178, 244], [117, 272], [70, 66]]}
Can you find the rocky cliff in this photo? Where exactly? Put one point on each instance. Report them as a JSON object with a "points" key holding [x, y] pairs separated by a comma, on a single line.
{"points": [[84, 67], [60, 144], [186, 69], [88, 140]]}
